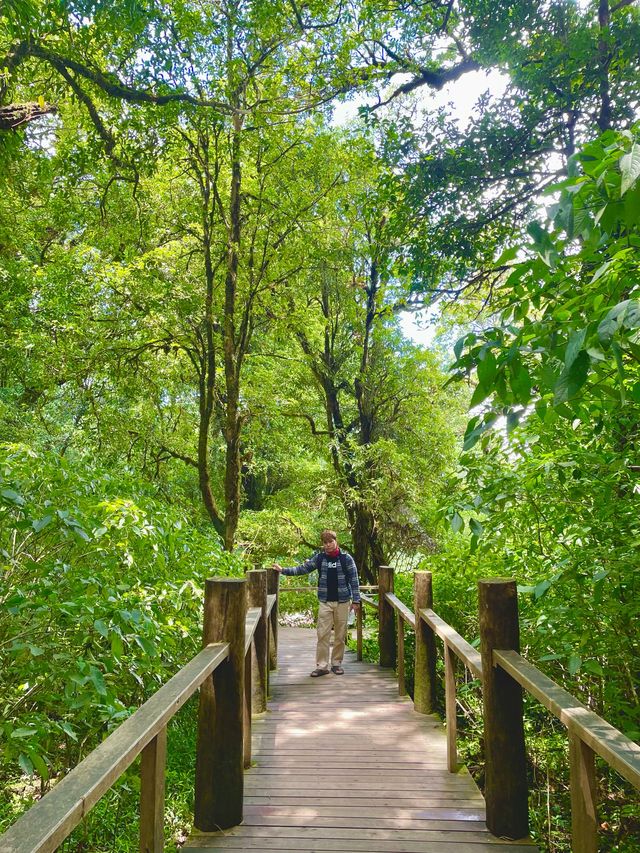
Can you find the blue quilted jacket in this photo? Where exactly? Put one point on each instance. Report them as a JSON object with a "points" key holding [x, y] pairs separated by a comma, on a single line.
{"points": [[348, 586]]}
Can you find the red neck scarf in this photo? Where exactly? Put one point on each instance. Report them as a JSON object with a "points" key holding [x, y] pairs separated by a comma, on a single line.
{"points": [[333, 554]]}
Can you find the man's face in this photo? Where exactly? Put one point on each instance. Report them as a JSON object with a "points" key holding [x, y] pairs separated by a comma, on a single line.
{"points": [[330, 546]]}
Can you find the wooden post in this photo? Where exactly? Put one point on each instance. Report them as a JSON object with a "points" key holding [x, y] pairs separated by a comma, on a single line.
{"points": [[402, 688], [424, 691], [273, 582], [152, 775], [584, 826], [359, 613], [450, 708], [505, 771], [219, 754], [386, 619], [257, 591]]}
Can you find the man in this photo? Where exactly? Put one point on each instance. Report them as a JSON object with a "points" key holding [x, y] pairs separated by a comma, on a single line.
{"points": [[338, 593]]}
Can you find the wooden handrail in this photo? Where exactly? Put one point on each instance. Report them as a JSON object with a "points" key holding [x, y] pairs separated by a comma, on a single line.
{"points": [[250, 625], [47, 823], [621, 753], [465, 651], [314, 588], [367, 599], [504, 674], [401, 609], [271, 600]]}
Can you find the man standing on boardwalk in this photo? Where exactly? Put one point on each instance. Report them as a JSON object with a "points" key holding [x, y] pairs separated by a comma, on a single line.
{"points": [[338, 593]]}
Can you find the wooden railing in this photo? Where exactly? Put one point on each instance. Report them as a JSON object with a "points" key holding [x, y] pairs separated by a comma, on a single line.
{"points": [[503, 674], [232, 671], [239, 640]]}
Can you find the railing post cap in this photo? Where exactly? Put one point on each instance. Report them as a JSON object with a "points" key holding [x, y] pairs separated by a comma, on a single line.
{"points": [[496, 581], [225, 579]]}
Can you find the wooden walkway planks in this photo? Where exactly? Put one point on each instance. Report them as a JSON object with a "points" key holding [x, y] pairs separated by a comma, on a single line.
{"points": [[344, 764]]}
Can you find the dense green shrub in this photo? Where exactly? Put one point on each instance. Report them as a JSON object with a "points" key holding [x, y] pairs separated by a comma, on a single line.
{"points": [[100, 603]]}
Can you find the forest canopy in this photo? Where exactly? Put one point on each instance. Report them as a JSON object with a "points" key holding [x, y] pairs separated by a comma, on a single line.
{"points": [[205, 276]]}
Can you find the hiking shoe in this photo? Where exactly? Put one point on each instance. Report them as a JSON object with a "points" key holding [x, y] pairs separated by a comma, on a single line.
{"points": [[318, 672], [337, 670]]}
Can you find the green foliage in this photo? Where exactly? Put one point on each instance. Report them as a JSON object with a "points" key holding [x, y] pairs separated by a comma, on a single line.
{"points": [[100, 603]]}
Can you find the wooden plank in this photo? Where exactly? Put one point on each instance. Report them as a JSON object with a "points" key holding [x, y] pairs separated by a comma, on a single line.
{"points": [[271, 600], [152, 774], [401, 609], [47, 823], [306, 833], [466, 653], [389, 845], [618, 751], [368, 599]]}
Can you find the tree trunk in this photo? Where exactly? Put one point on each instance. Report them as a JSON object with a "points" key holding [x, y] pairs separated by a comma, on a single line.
{"points": [[233, 420], [604, 61], [367, 547]]}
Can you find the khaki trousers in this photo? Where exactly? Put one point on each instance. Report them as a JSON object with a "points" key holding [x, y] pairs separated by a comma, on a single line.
{"points": [[331, 614]]}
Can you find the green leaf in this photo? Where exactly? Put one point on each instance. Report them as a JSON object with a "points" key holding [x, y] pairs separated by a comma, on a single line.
{"points": [[457, 522], [117, 647], [593, 667], [541, 588], [521, 385], [101, 627], [630, 168], [146, 645], [41, 523], [98, 681], [23, 731], [487, 368], [39, 764], [476, 528], [625, 314], [576, 342], [12, 496], [571, 380], [575, 662], [67, 729], [26, 764]]}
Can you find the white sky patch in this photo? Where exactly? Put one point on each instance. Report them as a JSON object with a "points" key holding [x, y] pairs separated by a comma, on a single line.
{"points": [[420, 326]]}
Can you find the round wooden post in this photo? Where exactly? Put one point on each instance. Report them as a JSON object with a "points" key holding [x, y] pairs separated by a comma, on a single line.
{"points": [[505, 771], [219, 754], [273, 582], [359, 613], [386, 618], [257, 591], [424, 693]]}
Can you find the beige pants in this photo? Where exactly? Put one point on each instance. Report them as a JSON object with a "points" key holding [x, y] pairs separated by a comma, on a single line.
{"points": [[331, 614]]}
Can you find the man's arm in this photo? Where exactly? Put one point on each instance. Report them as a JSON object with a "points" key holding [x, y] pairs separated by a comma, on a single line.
{"points": [[352, 571], [303, 569]]}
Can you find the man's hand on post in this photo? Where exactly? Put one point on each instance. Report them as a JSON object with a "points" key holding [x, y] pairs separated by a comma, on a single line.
{"points": [[277, 567]]}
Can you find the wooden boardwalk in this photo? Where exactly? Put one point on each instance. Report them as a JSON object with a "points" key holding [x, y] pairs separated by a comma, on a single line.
{"points": [[344, 764]]}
